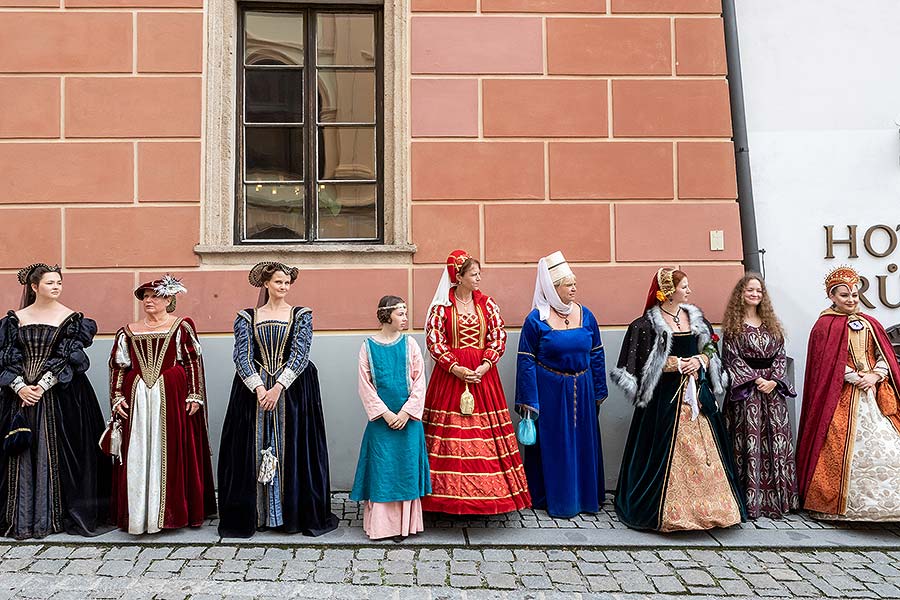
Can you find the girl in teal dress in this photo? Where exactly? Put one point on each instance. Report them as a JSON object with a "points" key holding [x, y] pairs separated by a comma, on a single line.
{"points": [[392, 474]]}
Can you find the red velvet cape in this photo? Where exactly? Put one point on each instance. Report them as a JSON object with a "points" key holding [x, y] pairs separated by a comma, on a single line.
{"points": [[826, 358]]}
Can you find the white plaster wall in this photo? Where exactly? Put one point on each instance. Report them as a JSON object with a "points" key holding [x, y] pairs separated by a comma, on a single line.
{"points": [[822, 93]]}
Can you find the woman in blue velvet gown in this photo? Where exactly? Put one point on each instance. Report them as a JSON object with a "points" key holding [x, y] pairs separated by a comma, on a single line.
{"points": [[560, 382], [273, 459]]}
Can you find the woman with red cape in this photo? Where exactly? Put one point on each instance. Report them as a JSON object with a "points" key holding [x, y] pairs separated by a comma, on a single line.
{"points": [[848, 453], [472, 449]]}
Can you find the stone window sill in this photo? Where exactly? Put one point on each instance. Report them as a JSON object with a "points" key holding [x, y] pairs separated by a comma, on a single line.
{"points": [[323, 254]]}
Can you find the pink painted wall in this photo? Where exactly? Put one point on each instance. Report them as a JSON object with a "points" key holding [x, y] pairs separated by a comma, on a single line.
{"points": [[598, 128]]}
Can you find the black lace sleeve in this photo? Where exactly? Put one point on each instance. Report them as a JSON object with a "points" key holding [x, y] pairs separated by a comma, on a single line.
{"points": [[69, 357], [11, 359]]}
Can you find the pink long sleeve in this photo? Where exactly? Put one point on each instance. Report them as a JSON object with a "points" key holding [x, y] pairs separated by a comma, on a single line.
{"points": [[367, 393], [415, 405]]}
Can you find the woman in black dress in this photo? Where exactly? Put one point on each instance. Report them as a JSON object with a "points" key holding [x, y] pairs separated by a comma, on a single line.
{"points": [[59, 480]]}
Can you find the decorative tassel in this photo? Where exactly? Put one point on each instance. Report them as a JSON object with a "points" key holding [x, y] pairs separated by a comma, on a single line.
{"points": [[467, 401], [115, 441], [267, 466]]}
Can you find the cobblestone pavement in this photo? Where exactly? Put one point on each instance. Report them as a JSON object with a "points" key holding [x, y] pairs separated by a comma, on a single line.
{"points": [[464, 558], [198, 572]]}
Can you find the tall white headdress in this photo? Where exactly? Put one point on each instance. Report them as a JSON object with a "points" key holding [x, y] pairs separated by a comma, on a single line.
{"points": [[550, 271]]}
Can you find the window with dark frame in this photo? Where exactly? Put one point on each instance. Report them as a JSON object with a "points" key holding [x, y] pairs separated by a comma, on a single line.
{"points": [[310, 125]]}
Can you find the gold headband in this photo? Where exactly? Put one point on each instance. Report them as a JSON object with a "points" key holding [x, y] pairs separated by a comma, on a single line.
{"points": [[664, 280], [393, 307]]}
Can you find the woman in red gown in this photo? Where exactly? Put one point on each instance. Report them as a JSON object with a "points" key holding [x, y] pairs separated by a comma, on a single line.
{"points": [[163, 479], [474, 457]]}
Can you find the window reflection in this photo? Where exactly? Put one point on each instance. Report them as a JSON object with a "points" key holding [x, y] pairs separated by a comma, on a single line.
{"points": [[347, 153], [345, 40], [346, 96], [347, 211], [273, 38], [273, 95], [275, 212]]}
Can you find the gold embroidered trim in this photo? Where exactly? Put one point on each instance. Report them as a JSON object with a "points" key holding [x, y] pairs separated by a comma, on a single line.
{"points": [[496, 473], [165, 454], [450, 439], [453, 456], [150, 357], [519, 493]]}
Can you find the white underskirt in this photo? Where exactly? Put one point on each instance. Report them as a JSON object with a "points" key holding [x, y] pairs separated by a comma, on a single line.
{"points": [[874, 490], [144, 461]]}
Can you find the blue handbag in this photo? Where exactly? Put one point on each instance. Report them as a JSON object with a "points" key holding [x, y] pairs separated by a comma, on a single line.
{"points": [[525, 431]]}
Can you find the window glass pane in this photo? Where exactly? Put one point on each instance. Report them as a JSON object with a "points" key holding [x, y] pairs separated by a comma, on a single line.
{"points": [[275, 212], [346, 96], [346, 153], [274, 153], [274, 95], [345, 39], [273, 38], [347, 211]]}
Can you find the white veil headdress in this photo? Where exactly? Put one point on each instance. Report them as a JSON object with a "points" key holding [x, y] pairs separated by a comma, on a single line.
{"points": [[550, 269]]}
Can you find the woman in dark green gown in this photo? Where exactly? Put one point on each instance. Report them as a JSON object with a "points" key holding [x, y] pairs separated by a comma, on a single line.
{"points": [[677, 471]]}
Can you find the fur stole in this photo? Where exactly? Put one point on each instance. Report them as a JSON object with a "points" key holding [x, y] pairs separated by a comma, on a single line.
{"points": [[639, 387]]}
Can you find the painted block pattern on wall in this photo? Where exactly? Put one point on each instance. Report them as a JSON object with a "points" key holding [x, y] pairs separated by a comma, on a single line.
{"points": [[597, 127], [100, 145], [607, 136]]}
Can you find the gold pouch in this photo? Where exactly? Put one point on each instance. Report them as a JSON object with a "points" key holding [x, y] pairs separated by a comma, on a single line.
{"points": [[467, 401]]}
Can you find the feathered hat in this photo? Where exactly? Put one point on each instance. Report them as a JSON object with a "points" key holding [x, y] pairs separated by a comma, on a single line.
{"points": [[167, 286]]}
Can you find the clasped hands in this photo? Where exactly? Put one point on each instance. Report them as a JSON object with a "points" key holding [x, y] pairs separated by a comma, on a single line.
{"points": [[765, 385], [868, 381], [267, 399], [468, 375], [396, 420], [691, 366], [30, 394]]}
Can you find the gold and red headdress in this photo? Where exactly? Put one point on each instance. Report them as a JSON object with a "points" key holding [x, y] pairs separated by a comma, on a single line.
{"points": [[843, 275], [661, 287], [455, 262]]}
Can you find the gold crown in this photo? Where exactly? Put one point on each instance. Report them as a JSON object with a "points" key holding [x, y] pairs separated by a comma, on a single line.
{"points": [[842, 275]]}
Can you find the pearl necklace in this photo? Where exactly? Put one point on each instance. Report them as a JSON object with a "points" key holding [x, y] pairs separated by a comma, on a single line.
{"points": [[149, 326]]}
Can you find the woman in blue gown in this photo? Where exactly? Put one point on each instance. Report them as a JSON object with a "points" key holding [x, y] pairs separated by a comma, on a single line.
{"points": [[273, 459], [561, 382]]}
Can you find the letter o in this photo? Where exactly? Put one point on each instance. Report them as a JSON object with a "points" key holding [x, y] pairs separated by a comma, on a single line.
{"points": [[892, 240]]}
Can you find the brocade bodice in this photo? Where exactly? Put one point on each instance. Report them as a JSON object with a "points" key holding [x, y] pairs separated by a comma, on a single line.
{"points": [[37, 346], [271, 337]]}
